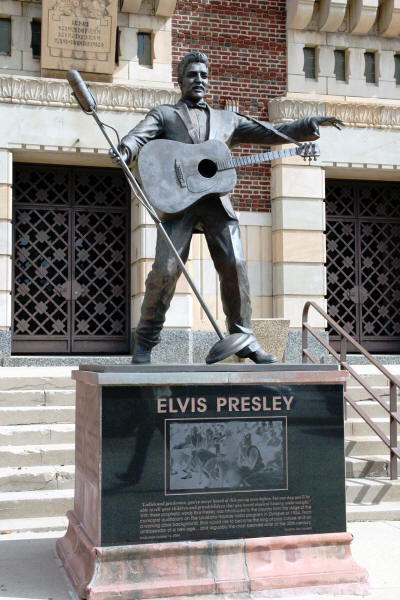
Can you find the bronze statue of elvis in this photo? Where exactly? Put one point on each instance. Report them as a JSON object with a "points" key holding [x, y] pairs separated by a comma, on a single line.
{"points": [[193, 121]]}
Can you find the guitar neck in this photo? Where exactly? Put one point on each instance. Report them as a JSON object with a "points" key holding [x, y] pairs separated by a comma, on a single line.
{"points": [[255, 159]]}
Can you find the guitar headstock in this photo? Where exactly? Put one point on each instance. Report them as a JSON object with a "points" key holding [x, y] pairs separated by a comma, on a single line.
{"points": [[309, 151]]}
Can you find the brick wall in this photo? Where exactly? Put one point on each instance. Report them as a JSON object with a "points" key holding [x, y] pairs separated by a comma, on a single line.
{"points": [[246, 44]]}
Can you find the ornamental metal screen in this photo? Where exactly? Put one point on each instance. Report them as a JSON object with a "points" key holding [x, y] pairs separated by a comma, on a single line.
{"points": [[363, 261], [71, 260]]}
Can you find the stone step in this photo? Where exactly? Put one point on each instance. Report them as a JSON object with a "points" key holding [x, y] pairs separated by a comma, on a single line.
{"points": [[19, 479], [385, 511], [37, 454], [375, 490], [372, 375], [28, 415], [358, 427], [43, 397], [371, 407], [358, 393], [32, 504], [368, 466], [54, 360], [17, 435], [36, 525], [36, 378], [375, 380], [364, 446], [383, 359]]}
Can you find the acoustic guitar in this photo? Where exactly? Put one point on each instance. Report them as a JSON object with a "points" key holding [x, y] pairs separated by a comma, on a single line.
{"points": [[175, 175]]}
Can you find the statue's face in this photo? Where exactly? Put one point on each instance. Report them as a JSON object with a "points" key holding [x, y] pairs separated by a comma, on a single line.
{"points": [[195, 81]]}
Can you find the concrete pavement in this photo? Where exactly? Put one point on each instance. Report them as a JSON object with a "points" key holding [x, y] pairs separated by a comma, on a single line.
{"points": [[30, 569]]}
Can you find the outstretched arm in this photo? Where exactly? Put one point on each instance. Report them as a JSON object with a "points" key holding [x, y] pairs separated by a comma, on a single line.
{"points": [[303, 130], [317, 122]]}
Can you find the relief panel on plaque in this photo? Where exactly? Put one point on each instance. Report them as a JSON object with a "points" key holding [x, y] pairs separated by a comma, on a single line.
{"points": [[78, 34]]}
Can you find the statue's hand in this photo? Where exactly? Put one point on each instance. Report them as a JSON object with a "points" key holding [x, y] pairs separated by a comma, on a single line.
{"points": [[316, 122], [115, 158]]}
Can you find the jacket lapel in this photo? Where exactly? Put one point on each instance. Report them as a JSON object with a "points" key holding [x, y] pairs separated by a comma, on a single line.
{"points": [[183, 112], [213, 123]]}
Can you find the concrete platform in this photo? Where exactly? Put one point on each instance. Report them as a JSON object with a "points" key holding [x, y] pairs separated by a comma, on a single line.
{"points": [[30, 570]]}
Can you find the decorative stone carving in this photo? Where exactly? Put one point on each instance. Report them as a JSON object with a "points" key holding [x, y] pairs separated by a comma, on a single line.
{"points": [[362, 15], [55, 92], [79, 35], [354, 114], [165, 8], [299, 13], [389, 20], [131, 6], [162, 8], [331, 14]]}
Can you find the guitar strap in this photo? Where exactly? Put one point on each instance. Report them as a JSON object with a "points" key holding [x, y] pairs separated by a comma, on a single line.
{"points": [[270, 127]]}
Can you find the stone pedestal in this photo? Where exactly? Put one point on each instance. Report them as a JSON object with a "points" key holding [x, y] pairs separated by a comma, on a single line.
{"points": [[272, 335], [202, 481]]}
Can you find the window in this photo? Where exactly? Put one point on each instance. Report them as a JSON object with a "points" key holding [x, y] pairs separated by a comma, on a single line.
{"points": [[370, 74], [36, 27], [117, 46], [144, 49], [5, 37], [397, 68], [340, 65], [309, 63]]}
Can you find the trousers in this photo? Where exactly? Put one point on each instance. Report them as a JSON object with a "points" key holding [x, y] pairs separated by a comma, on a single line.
{"points": [[222, 234]]}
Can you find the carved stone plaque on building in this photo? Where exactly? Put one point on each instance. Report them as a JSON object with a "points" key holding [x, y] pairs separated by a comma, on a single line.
{"points": [[79, 34]]}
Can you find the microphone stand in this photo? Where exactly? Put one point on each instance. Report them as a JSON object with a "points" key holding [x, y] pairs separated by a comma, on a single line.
{"points": [[227, 344]]}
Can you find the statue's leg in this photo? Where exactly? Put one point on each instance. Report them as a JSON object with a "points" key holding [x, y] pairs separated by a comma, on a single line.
{"points": [[224, 243], [223, 239], [161, 281]]}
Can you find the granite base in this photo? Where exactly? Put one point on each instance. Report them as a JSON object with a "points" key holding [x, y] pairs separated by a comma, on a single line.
{"points": [[293, 350], [5, 343], [211, 568]]}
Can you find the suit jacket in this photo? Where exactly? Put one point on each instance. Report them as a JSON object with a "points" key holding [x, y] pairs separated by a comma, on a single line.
{"points": [[173, 122]]}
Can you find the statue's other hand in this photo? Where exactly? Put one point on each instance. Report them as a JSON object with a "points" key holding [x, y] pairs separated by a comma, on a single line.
{"points": [[115, 158], [317, 122]]}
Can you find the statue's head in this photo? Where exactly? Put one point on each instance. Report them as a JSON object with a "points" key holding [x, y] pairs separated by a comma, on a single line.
{"points": [[193, 75]]}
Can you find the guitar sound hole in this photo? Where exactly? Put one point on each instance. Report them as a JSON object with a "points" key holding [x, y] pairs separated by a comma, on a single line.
{"points": [[207, 168]]}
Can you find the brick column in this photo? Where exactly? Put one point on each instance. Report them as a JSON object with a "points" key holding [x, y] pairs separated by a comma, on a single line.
{"points": [[5, 250], [298, 243]]}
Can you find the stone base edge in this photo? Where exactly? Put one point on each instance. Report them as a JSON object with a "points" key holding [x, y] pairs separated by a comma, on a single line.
{"points": [[264, 567]]}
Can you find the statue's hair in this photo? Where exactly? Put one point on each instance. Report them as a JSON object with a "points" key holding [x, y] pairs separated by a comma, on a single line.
{"points": [[192, 57]]}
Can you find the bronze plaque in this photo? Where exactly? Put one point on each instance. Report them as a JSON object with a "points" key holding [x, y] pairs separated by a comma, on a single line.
{"points": [[79, 34], [198, 462]]}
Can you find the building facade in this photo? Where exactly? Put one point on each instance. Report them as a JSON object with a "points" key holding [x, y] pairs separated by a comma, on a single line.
{"points": [[75, 248], [343, 60]]}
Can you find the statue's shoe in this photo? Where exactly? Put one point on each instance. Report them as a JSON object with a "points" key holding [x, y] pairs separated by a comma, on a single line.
{"points": [[141, 355], [260, 357]]}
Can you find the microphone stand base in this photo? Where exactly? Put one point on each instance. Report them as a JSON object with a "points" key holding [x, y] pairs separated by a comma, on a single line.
{"points": [[229, 345]]}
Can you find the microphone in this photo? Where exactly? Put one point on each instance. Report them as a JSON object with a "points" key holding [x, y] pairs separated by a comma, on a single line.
{"points": [[81, 92]]}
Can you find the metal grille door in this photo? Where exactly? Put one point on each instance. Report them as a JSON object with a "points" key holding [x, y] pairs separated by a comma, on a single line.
{"points": [[71, 261], [363, 261]]}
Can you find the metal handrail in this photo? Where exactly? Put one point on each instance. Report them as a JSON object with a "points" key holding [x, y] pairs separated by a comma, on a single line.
{"points": [[394, 382]]}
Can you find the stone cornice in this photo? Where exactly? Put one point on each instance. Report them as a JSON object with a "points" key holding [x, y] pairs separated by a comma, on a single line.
{"points": [[330, 15], [162, 8], [40, 91], [354, 114]]}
